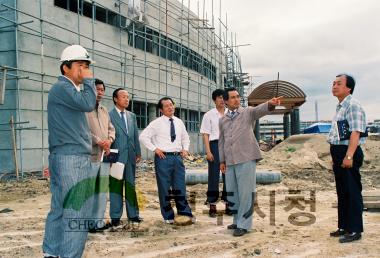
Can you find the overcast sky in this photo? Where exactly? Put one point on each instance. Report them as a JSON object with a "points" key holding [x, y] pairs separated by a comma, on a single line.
{"points": [[308, 42]]}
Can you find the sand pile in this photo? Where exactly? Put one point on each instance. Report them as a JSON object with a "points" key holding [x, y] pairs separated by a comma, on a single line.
{"points": [[300, 152], [372, 153], [311, 151]]}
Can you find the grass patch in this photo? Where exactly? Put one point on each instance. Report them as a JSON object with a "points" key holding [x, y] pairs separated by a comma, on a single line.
{"points": [[290, 149]]}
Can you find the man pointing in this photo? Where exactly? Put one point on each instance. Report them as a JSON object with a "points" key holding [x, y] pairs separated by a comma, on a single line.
{"points": [[239, 151]]}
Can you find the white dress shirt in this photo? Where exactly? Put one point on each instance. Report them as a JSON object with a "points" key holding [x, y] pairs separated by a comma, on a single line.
{"points": [[125, 116], [210, 124], [157, 135]]}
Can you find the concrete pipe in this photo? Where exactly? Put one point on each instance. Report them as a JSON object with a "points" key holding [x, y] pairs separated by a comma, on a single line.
{"points": [[200, 176]]}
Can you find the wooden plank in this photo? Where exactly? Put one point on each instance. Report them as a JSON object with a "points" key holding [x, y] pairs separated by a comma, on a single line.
{"points": [[366, 204], [371, 198], [372, 205], [371, 193], [14, 146]]}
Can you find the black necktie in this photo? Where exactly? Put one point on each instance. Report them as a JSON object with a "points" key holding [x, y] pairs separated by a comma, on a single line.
{"points": [[172, 130]]}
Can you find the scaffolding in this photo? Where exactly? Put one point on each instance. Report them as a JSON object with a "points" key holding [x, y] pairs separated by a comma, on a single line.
{"points": [[125, 64]]}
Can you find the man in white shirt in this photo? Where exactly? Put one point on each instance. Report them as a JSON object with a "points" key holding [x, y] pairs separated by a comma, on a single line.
{"points": [[167, 137], [210, 131]]}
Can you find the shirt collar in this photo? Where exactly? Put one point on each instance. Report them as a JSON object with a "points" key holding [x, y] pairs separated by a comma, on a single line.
{"points": [[76, 87], [230, 111], [238, 110], [346, 101], [167, 118], [119, 111], [217, 112]]}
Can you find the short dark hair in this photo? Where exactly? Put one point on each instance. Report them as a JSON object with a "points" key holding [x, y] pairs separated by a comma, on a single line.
{"points": [[67, 63], [98, 81], [160, 105], [216, 93], [226, 92], [350, 81], [114, 94]]}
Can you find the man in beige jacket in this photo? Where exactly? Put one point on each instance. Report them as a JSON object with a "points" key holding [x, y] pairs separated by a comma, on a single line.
{"points": [[103, 134], [238, 153]]}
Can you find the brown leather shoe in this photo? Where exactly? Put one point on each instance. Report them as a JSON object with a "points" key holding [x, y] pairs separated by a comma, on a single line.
{"points": [[212, 212], [339, 232]]}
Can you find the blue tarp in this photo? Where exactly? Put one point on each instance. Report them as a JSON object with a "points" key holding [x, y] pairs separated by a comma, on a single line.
{"points": [[318, 128]]}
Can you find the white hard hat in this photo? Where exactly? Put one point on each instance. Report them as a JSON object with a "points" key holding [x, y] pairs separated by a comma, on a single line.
{"points": [[75, 53]]}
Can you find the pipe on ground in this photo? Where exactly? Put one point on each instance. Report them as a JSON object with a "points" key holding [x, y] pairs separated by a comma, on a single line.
{"points": [[194, 177]]}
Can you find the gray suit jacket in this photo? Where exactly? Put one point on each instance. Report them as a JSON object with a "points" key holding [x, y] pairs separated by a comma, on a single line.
{"points": [[237, 142], [127, 144]]}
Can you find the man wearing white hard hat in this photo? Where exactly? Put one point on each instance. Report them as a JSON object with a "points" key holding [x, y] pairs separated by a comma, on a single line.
{"points": [[70, 155]]}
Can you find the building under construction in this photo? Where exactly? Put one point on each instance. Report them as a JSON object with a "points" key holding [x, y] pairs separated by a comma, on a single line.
{"points": [[151, 48]]}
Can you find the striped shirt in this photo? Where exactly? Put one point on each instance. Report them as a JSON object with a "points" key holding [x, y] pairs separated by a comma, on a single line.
{"points": [[349, 109]]}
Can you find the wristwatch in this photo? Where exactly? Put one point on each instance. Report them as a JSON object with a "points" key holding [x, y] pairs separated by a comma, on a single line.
{"points": [[349, 157]]}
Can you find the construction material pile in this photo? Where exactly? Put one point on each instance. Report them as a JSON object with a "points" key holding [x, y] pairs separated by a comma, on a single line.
{"points": [[311, 151]]}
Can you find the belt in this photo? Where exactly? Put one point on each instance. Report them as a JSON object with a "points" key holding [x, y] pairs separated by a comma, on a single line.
{"points": [[172, 153]]}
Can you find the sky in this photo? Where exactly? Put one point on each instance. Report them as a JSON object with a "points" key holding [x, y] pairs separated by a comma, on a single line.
{"points": [[308, 42]]}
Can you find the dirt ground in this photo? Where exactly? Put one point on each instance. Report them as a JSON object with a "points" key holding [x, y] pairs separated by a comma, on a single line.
{"points": [[277, 231]]}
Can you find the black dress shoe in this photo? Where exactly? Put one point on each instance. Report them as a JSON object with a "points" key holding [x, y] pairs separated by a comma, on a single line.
{"points": [[136, 219], [240, 232], [117, 224], [232, 226], [349, 237], [339, 232], [101, 229], [105, 227]]}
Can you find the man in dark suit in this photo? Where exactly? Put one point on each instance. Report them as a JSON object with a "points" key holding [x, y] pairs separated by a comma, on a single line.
{"points": [[127, 142]]}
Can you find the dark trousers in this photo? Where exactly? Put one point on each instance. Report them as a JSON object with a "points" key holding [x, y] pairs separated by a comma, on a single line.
{"points": [[348, 188], [213, 176], [170, 176], [116, 194]]}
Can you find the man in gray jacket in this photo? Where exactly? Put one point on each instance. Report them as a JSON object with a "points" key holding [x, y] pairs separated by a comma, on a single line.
{"points": [[127, 142], [70, 155], [238, 153]]}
